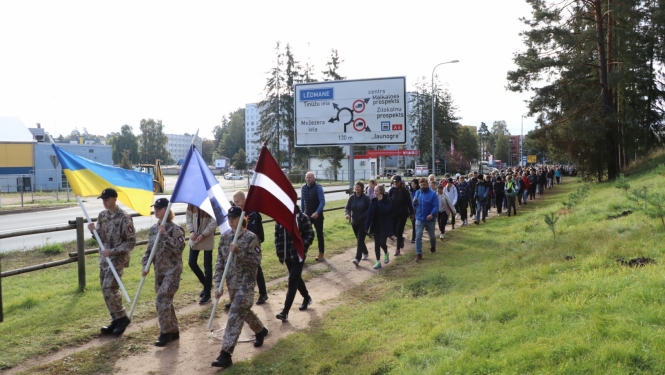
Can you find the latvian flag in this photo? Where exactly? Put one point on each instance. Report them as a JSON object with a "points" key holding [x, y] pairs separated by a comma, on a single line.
{"points": [[272, 194]]}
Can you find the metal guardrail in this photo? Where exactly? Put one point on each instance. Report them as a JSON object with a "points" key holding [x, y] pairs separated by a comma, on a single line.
{"points": [[79, 256]]}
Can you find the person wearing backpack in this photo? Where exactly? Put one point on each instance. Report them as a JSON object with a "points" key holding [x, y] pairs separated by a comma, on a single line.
{"points": [[482, 197], [511, 193]]}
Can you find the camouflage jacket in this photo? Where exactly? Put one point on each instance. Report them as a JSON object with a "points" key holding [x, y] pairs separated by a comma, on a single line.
{"points": [[168, 253], [116, 230], [243, 267]]}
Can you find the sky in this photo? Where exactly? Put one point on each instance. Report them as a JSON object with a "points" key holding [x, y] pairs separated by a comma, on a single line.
{"points": [[100, 65]]}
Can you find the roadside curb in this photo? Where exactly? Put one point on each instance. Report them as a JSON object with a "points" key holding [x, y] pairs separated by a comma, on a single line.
{"points": [[36, 209]]}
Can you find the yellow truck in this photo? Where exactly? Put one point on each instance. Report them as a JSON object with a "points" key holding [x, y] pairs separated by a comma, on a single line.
{"points": [[157, 177]]}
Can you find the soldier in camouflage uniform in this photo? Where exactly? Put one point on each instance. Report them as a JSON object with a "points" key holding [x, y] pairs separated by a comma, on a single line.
{"points": [[168, 268], [116, 230], [240, 281]]}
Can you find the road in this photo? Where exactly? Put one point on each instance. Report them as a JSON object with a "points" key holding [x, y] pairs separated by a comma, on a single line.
{"points": [[54, 218]]}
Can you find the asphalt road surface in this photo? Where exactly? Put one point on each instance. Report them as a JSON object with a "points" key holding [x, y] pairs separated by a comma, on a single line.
{"points": [[55, 218]]}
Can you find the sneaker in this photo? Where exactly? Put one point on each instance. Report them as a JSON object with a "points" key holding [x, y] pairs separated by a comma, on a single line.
{"points": [[284, 317], [224, 360], [377, 265], [441, 236], [457, 216], [203, 293], [364, 257], [262, 299], [418, 257], [306, 303], [499, 214], [259, 337], [205, 299], [319, 257], [355, 261], [386, 258], [397, 253], [476, 222]]}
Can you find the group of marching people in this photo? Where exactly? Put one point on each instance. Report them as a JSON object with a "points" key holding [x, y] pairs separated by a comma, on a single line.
{"points": [[382, 213]]}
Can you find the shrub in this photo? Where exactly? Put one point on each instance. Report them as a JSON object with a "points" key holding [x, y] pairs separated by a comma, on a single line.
{"points": [[51, 248]]}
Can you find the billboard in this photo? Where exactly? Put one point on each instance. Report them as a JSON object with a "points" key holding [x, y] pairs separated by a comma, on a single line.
{"points": [[352, 112], [532, 158], [220, 163]]}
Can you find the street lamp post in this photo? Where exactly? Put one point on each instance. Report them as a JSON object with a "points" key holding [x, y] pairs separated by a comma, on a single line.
{"points": [[433, 157], [522, 142]]}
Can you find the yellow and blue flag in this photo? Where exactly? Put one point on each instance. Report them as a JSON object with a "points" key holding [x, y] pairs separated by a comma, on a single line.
{"points": [[88, 178]]}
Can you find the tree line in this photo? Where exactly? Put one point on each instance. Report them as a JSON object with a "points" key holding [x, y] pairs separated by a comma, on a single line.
{"points": [[595, 69]]}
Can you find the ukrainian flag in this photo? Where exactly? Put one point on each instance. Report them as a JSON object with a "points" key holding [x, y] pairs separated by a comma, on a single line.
{"points": [[88, 178]]}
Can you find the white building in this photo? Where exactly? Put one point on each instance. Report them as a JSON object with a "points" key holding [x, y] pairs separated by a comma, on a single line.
{"points": [[252, 146], [178, 145]]}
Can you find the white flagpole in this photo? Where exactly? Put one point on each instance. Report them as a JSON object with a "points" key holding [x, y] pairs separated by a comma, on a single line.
{"points": [[152, 252], [101, 248], [226, 269], [147, 266]]}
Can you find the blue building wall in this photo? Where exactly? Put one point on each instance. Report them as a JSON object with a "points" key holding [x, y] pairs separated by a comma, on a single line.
{"points": [[48, 178]]}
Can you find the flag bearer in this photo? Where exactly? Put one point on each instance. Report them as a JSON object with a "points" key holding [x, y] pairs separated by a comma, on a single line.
{"points": [[168, 268], [240, 281], [116, 231]]}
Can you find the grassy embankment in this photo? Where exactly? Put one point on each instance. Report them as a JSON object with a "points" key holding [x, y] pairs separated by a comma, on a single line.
{"points": [[44, 310], [502, 298]]}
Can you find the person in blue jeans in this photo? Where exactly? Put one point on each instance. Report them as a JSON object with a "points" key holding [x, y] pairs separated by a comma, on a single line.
{"points": [[483, 199], [426, 204]]}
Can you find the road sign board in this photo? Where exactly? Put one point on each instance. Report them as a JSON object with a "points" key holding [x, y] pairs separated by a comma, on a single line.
{"points": [[352, 112], [532, 158]]}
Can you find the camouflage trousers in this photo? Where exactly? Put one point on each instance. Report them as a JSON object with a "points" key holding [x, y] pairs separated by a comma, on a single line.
{"points": [[111, 291], [166, 286], [240, 312]]}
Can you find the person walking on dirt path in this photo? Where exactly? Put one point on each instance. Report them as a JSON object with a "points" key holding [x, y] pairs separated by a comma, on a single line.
{"points": [[116, 231], [557, 175], [286, 253], [511, 192], [533, 182], [473, 180], [312, 202], [426, 204], [379, 221], [446, 210], [482, 197], [463, 197], [414, 186], [240, 283], [356, 211], [201, 228], [254, 225], [402, 210], [168, 268]]}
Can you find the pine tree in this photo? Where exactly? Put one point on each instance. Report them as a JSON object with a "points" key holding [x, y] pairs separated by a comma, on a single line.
{"points": [[270, 107]]}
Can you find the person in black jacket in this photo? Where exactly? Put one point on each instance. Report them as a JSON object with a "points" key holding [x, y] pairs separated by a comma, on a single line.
{"points": [[402, 209], [356, 211], [380, 222], [286, 253], [414, 186], [499, 193], [473, 180]]}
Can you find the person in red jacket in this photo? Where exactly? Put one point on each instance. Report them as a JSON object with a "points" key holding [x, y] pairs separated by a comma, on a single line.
{"points": [[525, 184]]}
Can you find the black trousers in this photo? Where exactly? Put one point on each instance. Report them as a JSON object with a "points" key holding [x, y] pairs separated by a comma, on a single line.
{"points": [[318, 226], [461, 207], [472, 206], [380, 243], [499, 202], [261, 281], [442, 218], [295, 283], [204, 278], [399, 222], [413, 229], [359, 232], [532, 191]]}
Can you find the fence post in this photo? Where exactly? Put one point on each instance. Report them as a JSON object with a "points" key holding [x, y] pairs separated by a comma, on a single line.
{"points": [[2, 318], [80, 247]]}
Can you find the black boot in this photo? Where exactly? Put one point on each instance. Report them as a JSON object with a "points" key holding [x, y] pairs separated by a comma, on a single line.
{"points": [[258, 340], [224, 360], [165, 338], [120, 326], [107, 330]]}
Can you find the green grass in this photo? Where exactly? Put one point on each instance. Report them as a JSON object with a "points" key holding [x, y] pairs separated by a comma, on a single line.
{"points": [[502, 299], [44, 310]]}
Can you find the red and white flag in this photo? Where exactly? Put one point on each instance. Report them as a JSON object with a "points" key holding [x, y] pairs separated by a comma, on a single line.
{"points": [[272, 194]]}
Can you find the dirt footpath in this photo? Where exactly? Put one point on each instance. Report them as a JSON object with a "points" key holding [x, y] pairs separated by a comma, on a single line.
{"points": [[197, 348]]}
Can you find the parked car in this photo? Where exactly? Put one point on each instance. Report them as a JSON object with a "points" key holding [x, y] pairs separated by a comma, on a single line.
{"points": [[233, 176], [408, 173]]}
